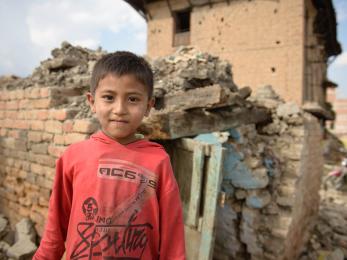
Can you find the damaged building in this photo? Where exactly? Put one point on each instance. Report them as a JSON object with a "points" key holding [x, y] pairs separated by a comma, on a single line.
{"points": [[286, 44], [254, 159]]}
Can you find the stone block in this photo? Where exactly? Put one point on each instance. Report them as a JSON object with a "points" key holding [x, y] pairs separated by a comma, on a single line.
{"points": [[258, 199], [288, 109], [25, 246]]}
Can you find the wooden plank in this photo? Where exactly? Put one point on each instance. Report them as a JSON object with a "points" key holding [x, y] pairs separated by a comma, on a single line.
{"points": [[189, 144], [206, 97], [172, 125], [213, 184], [196, 186]]}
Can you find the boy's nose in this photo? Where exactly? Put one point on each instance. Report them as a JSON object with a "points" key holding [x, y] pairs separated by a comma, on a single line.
{"points": [[119, 107]]}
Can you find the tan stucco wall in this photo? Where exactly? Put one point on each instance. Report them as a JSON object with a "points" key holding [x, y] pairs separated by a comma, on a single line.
{"points": [[264, 40]]}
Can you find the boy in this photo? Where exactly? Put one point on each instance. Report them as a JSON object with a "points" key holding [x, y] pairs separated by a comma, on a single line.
{"points": [[115, 195]]}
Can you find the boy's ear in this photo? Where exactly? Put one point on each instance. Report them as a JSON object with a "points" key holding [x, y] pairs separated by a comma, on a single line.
{"points": [[91, 101], [150, 104]]}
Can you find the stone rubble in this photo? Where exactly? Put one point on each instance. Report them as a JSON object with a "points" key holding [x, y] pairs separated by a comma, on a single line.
{"points": [[19, 244]]}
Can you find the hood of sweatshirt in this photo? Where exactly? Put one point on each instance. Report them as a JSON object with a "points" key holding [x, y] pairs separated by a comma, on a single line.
{"points": [[141, 143]]}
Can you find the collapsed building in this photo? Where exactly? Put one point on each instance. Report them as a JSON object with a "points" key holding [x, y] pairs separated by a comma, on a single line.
{"points": [[248, 166], [285, 43]]}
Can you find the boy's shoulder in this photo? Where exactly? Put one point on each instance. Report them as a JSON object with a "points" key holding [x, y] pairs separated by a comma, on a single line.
{"points": [[150, 148]]}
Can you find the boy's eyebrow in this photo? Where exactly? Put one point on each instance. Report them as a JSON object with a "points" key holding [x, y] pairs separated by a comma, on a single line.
{"points": [[128, 93]]}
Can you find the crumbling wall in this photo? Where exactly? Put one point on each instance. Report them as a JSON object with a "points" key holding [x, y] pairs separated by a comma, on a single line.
{"points": [[39, 116], [271, 182], [273, 179]]}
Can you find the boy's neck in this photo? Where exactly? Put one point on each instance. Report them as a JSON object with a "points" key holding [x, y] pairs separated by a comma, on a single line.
{"points": [[133, 138]]}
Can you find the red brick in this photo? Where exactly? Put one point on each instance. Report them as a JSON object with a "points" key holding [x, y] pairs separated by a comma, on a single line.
{"points": [[42, 103], [41, 210], [47, 137], [59, 139], [34, 136], [34, 93], [63, 114], [11, 114], [12, 95], [53, 126], [85, 126], [3, 131], [27, 92], [2, 105], [37, 168], [68, 126], [8, 123], [36, 125], [42, 159], [22, 114], [24, 212], [12, 105], [4, 95], [40, 114], [13, 133], [43, 201], [74, 137], [21, 124], [2, 114], [22, 174], [44, 92], [40, 148], [56, 151], [20, 94], [24, 103]]}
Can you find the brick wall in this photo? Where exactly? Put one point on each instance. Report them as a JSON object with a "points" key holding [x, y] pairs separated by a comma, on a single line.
{"points": [[39, 116], [264, 40]]}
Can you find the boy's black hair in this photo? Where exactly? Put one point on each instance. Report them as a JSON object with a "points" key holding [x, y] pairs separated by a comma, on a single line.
{"points": [[122, 63]]}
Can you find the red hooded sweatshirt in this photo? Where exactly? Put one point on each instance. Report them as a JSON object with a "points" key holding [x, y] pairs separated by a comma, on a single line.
{"points": [[113, 201]]}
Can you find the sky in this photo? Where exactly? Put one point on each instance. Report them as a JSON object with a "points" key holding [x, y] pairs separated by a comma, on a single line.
{"points": [[30, 29]]}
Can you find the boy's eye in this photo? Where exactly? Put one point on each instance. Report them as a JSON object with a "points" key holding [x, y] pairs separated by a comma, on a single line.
{"points": [[133, 99], [107, 97]]}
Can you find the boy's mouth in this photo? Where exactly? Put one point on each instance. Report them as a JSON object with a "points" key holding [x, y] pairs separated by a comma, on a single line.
{"points": [[119, 121]]}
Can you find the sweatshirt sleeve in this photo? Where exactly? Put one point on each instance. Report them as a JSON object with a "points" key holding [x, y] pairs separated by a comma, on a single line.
{"points": [[52, 244], [172, 242]]}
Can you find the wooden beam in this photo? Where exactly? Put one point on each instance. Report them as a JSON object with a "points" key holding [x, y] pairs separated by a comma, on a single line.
{"points": [[196, 185], [211, 192], [206, 97], [172, 125]]}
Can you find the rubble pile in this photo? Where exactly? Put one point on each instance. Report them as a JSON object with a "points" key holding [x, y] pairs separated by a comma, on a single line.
{"points": [[329, 238], [194, 94], [270, 184], [18, 244]]}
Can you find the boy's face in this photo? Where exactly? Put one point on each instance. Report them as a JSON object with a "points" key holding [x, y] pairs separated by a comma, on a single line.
{"points": [[120, 103]]}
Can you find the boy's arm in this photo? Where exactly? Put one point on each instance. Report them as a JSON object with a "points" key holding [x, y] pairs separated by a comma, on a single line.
{"points": [[52, 244], [172, 243]]}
